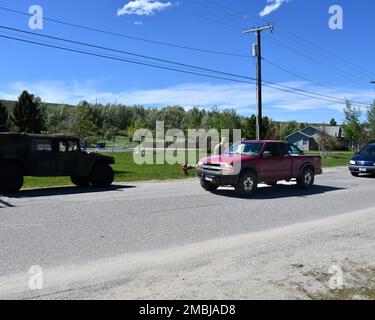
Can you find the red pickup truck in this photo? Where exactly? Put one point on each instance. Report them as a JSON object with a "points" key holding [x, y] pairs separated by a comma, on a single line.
{"points": [[248, 163]]}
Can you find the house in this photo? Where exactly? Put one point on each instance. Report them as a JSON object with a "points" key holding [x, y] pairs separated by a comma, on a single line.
{"points": [[307, 138]]}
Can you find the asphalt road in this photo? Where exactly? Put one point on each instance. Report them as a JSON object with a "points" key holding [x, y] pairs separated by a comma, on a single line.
{"points": [[67, 226]]}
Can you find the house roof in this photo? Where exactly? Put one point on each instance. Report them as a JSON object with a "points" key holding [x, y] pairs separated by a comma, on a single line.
{"points": [[333, 131], [299, 132]]}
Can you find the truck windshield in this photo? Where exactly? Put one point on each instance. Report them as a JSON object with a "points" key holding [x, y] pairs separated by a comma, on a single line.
{"points": [[246, 148]]}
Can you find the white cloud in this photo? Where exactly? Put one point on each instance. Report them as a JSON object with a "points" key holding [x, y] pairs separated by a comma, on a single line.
{"points": [[143, 7], [272, 6]]}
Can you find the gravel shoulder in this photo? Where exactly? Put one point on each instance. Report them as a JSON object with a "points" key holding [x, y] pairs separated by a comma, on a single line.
{"points": [[291, 262]]}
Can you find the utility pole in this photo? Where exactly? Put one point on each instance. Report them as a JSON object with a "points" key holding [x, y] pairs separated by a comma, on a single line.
{"points": [[258, 53]]}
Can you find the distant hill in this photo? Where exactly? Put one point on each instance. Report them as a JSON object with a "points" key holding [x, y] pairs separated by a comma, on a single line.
{"points": [[11, 104]]}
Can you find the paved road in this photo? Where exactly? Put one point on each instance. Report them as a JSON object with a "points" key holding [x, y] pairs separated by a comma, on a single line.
{"points": [[66, 226]]}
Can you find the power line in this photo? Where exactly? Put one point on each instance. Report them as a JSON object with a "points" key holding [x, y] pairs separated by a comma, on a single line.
{"points": [[342, 73], [120, 59], [121, 51], [161, 43], [298, 75], [269, 85], [300, 40], [326, 53], [171, 44], [165, 61], [207, 18], [332, 57]]}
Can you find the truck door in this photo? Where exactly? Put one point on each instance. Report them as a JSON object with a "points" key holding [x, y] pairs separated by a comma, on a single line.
{"points": [[285, 164], [42, 157], [269, 169], [68, 157]]}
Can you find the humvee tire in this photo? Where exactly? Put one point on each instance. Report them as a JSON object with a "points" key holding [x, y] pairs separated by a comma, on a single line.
{"points": [[81, 182], [11, 179], [102, 175]]}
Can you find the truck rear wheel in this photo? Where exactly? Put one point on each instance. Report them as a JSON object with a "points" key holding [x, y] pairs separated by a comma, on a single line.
{"points": [[306, 181], [81, 182], [208, 186], [248, 184], [102, 175], [11, 179]]}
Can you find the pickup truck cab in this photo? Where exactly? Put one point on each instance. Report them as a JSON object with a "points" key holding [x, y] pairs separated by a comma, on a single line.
{"points": [[248, 163]]}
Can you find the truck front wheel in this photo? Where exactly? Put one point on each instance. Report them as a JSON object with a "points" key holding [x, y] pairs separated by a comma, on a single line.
{"points": [[208, 186], [306, 181], [11, 179], [247, 184], [102, 175]]}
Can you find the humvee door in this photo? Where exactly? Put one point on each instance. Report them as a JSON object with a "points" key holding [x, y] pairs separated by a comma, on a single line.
{"points": [[42, 158], [69, 157]]}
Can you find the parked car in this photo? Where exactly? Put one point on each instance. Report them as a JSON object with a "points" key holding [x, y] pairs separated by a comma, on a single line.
{"points": [[248, 163], [50, 156], [363, 161]]}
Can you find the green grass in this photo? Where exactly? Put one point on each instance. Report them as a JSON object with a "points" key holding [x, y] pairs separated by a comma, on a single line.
{"points": [[120, 142], [336, 159], [127, 171]]}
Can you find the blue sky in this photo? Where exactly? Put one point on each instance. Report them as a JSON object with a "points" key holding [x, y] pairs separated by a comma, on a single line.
{"points": [[63, 77]]}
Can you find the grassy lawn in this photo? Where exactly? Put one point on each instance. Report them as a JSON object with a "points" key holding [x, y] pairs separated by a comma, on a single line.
{"points": [[120, 142], [127, 171], [336, 159]]}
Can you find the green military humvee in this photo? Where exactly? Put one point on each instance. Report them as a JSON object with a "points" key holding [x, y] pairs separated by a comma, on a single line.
{"points": [[50, 156]]}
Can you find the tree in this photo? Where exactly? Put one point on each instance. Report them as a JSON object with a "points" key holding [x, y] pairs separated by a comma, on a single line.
{"points": [[371, 120], [270, 129], [193, 118], [352, 127], [288, 128], [27, 115], [4, 116], [325, 142]]}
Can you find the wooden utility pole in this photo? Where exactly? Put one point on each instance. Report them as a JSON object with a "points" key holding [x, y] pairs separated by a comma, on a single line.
{"points": [[258, 52]]}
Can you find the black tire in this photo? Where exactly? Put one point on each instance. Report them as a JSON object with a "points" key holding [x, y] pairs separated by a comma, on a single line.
{"points": [[102, 175], [11, 179], [306, 180], [355, 174], [247, 184], [208, 186], [81, 182]]}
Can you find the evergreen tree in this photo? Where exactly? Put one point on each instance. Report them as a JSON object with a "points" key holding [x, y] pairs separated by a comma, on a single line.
{"points": [[27, 114]]}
